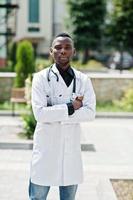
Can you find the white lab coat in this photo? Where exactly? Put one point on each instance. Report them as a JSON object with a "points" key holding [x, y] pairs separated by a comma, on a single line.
{"points": [[56, 159]]}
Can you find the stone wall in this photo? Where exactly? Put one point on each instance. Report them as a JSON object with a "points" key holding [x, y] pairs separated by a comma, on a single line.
{"points": [[111, 86], [6, 83], [107, 86]]}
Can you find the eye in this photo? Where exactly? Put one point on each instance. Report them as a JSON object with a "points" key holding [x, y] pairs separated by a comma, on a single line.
{"points": [[68, 47], [58, 47]]}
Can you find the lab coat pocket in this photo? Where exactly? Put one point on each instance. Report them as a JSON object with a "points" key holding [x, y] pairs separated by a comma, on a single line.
{"points": [[72, 139], [43, 137], [60, 99], [56, 99]]}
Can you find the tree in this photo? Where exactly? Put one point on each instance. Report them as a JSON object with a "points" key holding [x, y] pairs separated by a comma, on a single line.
{"points": [[121, 27], [120, 30], [87, 17], [12, 54], [25, 62]]}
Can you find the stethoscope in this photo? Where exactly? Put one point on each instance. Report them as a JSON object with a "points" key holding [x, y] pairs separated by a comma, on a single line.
{"points": [[57, 79]]}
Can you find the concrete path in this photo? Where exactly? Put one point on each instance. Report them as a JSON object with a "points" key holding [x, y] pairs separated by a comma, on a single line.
{"points": [[110, 157]]}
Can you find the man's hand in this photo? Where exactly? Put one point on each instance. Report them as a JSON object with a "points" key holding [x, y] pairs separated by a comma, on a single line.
{"points": [[77, 103]]}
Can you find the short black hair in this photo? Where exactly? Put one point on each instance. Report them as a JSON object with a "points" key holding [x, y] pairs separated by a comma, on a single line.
{"points": [[63, 35]]}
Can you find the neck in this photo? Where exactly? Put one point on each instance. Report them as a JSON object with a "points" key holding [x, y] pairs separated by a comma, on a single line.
{"points": [[62, 67]]}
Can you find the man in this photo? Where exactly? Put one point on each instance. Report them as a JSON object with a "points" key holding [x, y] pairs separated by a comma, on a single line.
{"points": [[62, 97]]}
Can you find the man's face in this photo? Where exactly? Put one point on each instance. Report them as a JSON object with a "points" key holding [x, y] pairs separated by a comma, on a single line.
{"points": [[62, 51]]}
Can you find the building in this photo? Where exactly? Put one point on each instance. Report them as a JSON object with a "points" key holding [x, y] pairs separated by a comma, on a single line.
{"points": [[35, 20], [8, 27], [39, 21]]}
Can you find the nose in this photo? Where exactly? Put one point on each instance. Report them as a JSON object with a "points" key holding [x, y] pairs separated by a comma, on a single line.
{"points": [[62, 51]]}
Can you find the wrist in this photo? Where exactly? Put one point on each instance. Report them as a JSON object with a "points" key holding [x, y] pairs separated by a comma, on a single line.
{"points": [[70, 108]]}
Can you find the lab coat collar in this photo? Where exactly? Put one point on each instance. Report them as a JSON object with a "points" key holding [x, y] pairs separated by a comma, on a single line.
{"points": [[55, 70], [76, 72]]}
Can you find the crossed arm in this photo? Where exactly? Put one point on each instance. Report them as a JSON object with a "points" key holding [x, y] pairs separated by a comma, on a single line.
{"points": [[84, 107]]}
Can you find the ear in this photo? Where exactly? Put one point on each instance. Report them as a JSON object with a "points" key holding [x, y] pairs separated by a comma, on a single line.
{"points": [[74, 52], [51, 51]]}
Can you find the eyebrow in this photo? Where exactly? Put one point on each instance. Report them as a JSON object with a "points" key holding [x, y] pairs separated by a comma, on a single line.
{"points": [[64, 44], [71, 42]]}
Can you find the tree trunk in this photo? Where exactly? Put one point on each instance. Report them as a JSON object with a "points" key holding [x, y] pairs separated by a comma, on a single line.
{"points": [[85, 56], [121, 58]]}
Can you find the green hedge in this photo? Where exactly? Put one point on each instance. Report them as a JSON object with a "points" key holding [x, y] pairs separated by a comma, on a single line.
{"points": [[25, 62]]}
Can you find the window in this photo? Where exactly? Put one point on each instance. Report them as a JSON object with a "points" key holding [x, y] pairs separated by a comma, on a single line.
{"points": [[33, 29], [33, 11]]}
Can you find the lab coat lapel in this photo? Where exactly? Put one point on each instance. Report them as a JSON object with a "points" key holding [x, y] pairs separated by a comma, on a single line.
{"points": [[58, 88], [61, 82]]}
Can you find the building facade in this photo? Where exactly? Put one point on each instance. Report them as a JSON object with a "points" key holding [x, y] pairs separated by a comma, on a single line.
{"points": [[39, 21], [2, 37], [35, 20], [8, 11]]}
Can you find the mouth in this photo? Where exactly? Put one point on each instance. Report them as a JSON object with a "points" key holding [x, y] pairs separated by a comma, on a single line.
{"points": [[63, 57]]}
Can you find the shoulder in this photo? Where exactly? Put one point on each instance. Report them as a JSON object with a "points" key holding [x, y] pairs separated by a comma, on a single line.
{"points": [[80, 75], [41, 78], [41, 74], [83, 78]]}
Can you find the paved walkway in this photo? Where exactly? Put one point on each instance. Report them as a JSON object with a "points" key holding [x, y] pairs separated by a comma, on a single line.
{"points": [[110, 157]]}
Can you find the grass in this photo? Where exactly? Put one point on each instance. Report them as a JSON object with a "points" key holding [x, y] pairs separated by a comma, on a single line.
{"points": [[8, 106], [91, 65], [100, 107], [109, 107]]}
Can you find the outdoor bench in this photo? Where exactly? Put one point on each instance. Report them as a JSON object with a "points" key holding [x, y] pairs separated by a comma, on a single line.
{"points": [[17, 96]]}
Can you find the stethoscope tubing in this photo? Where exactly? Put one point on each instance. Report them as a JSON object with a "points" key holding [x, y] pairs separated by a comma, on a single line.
{"points": [[57, 78]]}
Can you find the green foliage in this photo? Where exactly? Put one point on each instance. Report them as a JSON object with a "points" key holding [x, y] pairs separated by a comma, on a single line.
{"points": [[120, 29], [6, 105], [6, 69], [25, 62], [91, 65], [42, 63], [107, 106], [126, 102], [29, 125], [12, 54], [87, 18]]}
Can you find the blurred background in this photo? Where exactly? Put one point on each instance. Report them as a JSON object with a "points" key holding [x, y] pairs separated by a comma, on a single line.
{"points": [[102, 31], [103, 34]]}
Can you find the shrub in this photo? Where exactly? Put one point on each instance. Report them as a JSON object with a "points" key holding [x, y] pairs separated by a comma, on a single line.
{"points": [[29, 125], [42, 63], [25, 62], [126, 102], [91, 65], [12, 54]]}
